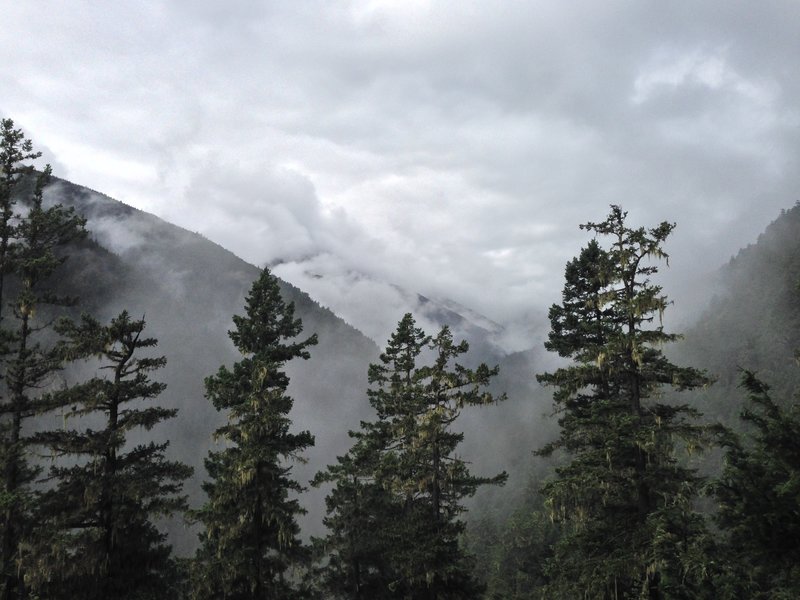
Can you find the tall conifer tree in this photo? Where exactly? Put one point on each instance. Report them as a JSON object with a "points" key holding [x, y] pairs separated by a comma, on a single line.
{"points": [[624, 496], [100, 510], [394, 511], [30, 241], [250, 540]]}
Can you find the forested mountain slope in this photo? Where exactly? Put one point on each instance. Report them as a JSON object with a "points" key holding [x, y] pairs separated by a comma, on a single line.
{"points": [[542, 550], [188, 288], [753, 322]]}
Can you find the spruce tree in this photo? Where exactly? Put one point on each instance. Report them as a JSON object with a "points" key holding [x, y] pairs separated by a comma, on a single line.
{"points": [[394, 513], [31, 242], [365, 516], [759, 500], [14, 496], [624, 498], [250, 541], [94, 536]]}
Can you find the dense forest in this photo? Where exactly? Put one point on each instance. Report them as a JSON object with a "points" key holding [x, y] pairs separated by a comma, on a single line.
{"points": [[672, 469]]}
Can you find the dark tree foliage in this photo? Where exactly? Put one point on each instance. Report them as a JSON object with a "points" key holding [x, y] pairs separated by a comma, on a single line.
{"points": [[514, 554], [359, 509], [759, 500], [754, 321], [624, 499], [31, 237], [250, 542], [100, 510], [394, 512]]}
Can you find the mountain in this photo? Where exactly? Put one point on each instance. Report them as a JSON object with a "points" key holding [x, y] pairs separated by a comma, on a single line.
{"points": [[753, 321], [188, 289], [374, 306]]}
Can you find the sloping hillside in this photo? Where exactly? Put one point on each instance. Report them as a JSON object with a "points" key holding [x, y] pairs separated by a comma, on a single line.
{"points": [[754, 320], [188, 288]]}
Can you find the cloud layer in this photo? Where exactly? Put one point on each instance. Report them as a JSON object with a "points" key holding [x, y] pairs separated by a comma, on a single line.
{"points": [[451, 148]]}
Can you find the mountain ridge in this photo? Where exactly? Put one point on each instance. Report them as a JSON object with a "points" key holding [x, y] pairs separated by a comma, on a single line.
{"points": [[753, 322], [188, 288]]}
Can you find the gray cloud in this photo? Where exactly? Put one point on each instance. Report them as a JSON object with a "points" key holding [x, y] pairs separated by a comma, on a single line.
{"points": [[451, 148]]}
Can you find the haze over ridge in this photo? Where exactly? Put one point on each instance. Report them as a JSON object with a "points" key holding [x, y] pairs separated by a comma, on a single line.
{"points": [[448, 148]]}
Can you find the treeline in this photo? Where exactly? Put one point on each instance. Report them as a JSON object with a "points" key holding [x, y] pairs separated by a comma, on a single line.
{"points": [[622, 516], [81, 499], [78, 503]]}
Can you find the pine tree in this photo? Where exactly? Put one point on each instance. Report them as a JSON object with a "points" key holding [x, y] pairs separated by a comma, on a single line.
{"points": [[624, 498], [250, 542], [759, 500], [101, 508], [30, 251], [394, 511], [364, 514], [14, 497]]}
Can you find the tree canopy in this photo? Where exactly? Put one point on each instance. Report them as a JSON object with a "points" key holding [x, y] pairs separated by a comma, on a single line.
{"points": [[250, 542], [623, 495], [394, 512]]}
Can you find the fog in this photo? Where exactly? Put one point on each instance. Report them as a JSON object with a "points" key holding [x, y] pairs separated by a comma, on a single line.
{"points": [[448, 149], [188, 288], [386, 157]]}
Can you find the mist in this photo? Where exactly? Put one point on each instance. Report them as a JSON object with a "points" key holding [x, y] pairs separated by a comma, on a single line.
{"points": [[445, 149], [435, 158], [188, 288]]}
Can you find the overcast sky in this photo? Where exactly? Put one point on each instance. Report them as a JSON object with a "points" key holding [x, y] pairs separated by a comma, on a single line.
{"points": [[451, 147]]}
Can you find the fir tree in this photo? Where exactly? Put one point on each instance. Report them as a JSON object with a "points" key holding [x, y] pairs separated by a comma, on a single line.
{"points": [[250, 540], [14, 150], [30, 251], [624, 498], [364, 514], [394, 511], [101, 509]]}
